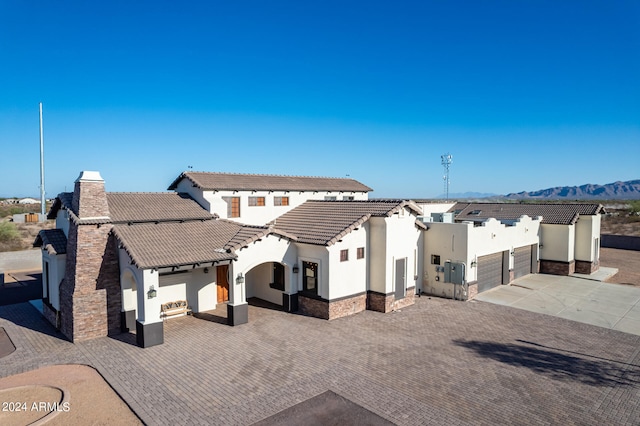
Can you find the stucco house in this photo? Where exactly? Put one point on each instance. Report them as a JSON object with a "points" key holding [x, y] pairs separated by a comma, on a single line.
{"points": [[115, 258], [496, 243], [317, 246]]}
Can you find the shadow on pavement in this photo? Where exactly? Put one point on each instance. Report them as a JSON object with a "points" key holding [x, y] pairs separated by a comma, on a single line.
{"points": [[22, 288], [25, 315], [556, 365]]}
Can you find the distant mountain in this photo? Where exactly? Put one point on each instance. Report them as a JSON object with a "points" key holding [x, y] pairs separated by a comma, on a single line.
{"points": [[611, 191], [460, 195]]}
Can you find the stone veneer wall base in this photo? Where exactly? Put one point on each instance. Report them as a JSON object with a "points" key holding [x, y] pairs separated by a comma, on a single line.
{"points": [[584, 267], [557, 268], [329, 310], [380, 302]]}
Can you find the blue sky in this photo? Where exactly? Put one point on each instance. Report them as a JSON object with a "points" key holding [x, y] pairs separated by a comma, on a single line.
{"points": [[524, 94]]}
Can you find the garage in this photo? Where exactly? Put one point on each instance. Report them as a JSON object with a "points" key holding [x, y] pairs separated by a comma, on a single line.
{"points": [[522, 261], [489, 271]]}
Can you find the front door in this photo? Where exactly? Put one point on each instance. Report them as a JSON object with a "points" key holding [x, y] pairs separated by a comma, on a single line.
{"points": [[222, 281]]}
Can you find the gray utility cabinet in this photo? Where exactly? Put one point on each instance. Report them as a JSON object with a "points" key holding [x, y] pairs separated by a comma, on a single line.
{"points": [[454, 272]]}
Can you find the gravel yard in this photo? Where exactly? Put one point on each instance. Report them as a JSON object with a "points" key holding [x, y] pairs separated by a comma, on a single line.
{"points": [[628, 263]]}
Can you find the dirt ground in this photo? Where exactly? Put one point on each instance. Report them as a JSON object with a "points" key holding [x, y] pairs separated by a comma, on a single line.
{"points": [[77, 394], [627, 262]]}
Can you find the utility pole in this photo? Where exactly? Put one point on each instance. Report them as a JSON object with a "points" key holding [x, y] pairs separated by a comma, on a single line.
{"points": [[42, 200]]}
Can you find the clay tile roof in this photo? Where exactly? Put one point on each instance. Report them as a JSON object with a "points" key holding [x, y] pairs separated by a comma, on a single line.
{"points": [[165, 244], [552, 213], [53, 240], [325, 222], [254, 182], [154, 207]]}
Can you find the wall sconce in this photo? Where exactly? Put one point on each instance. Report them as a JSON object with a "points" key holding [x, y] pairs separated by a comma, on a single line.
{"points": [[474, 263], [151, 293], [206, 270], [513, 253], [240, 279], [296, 269]]}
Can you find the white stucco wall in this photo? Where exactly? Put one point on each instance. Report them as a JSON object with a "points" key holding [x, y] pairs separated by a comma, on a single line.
{"points": [[185, 186], [464, 242], [55, 275], [493, 237], [402, 240], [349, 277], [319, 255], [558, 242], [428, 208], [269, 249], [62, 221], [258, 215], [257, 283], [392, 238], [377, 255], [148, 311], [587, 236], [201, 290], [450, 242]]}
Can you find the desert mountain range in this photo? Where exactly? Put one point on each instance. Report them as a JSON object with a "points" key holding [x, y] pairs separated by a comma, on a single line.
{"points": [[629, 190]]}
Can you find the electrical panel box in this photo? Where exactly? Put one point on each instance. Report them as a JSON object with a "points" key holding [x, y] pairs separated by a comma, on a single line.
{"points": [[454, 272]]}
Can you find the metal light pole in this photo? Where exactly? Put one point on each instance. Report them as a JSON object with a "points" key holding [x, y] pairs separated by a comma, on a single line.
{"points": [[42, 200]]}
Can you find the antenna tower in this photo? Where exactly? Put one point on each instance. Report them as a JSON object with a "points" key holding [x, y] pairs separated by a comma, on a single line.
{"points": [[446, 161]]}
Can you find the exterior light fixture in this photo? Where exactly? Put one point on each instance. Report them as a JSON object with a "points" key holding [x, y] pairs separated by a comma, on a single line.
{"points": [[474, 263], [296, 269], [151, 293], [240, 279], [206, 270]]}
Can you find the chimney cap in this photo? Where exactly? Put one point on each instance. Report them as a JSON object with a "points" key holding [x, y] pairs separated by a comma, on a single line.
{"points": [[89, 176]]}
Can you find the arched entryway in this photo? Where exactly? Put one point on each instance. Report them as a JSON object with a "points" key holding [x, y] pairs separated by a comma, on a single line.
{"points": [[267, 282]]}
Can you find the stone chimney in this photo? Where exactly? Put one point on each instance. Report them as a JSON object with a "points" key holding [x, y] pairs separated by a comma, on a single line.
{"points": [[89, 199], [90, 298]]}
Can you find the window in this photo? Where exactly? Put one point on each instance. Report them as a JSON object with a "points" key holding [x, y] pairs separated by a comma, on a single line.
{"points": [[330, 198], [310, 277], [475, 212], [256, 201], [278, 277], [348, 198], [280, 201], [344, 255], [233, 206], [435, 259], [360, 253]]}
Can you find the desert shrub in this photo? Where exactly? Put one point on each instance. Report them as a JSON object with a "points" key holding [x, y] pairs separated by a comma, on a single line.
{"points": [[9, 235], [8, 232]]}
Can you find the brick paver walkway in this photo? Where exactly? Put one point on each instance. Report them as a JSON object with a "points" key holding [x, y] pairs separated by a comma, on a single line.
{"points": [[438, 362]]}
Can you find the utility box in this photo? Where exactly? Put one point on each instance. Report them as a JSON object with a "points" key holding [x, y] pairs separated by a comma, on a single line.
{"points": [[454, 272]]}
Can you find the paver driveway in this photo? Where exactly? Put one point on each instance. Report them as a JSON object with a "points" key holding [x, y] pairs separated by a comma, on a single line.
{"points": [[438, 362]]}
